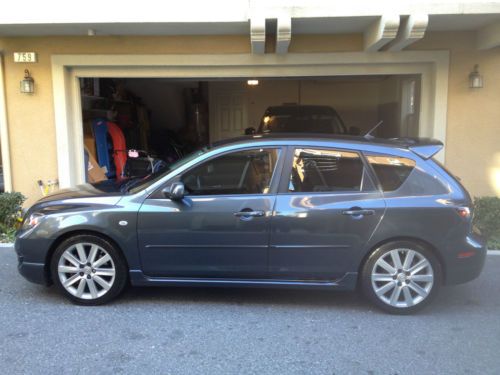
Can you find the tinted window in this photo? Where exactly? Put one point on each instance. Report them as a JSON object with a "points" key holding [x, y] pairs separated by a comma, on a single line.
{"points": [[402, 174], [391, 171], [135, 185], [316, 170], [243, 172], [420, 182]]}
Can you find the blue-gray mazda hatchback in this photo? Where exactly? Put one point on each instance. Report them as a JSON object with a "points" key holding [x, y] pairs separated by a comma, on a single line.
{"points": [[286, 211]]}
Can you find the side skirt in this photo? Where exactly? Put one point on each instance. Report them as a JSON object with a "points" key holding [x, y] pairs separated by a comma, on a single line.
{"points": [[347, 282]]}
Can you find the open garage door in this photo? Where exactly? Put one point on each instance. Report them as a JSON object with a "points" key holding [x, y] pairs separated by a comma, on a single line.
{"points": [[164, 119]]}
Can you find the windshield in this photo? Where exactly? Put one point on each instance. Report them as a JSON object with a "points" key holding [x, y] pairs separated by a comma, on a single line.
{"points": [[329, 123], [136, 185]]}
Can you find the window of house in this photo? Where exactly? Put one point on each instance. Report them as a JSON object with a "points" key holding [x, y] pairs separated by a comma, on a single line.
{"points": [[321, 170], [242, 172]]}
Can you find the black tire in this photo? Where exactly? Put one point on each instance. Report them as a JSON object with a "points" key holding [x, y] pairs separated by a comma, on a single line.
{"points": [[118, 261], [368, 287]]}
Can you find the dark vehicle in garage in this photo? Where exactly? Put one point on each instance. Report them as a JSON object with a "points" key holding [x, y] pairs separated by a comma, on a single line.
{"points": [[294, 211], [299, 118]]}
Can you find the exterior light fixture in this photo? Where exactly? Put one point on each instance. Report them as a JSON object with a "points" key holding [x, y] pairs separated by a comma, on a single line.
{"points": [[475, 79], [252, 82], [28, 83]]}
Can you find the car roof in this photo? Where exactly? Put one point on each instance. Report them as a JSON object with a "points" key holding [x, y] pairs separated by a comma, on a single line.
{"points": [[320, 137], [425, 147]]}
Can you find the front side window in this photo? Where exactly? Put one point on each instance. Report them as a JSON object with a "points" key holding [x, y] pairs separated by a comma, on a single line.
{"points": [[242, 172], [320, 170]]}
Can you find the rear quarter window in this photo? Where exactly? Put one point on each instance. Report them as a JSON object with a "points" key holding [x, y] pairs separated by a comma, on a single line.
{"points": [[391, 171], [403, 174]]}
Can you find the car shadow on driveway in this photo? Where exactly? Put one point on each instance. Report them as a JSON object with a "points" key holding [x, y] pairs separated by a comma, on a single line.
{"points": [[475, 295], [244, 296], [448, 299]]}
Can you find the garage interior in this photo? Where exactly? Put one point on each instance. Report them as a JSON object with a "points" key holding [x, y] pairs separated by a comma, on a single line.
{"points": [[162, 119]]}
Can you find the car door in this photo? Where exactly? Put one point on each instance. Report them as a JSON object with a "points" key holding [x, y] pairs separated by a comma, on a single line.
{"points": [[326, 210], [221, 227]]}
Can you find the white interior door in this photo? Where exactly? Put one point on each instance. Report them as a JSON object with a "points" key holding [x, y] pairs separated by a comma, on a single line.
{"points": [[228, 114]]}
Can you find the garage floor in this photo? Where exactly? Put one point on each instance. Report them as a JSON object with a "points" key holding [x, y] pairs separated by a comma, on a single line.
{"points": [[244, 331]]}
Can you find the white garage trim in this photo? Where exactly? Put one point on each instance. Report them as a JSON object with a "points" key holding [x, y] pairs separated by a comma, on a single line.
{"points": [[4, 133], [66, 69]]}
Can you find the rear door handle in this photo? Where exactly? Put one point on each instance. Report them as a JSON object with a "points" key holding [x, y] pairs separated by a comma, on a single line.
{"points": [[358, 212], [249, 214]]}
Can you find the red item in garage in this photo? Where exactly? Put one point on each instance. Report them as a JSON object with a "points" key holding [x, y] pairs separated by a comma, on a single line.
{"points": [[119, 148]]}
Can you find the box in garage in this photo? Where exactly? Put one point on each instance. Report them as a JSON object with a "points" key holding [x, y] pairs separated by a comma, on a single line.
{"points": [[94, 172], [89, 143]]}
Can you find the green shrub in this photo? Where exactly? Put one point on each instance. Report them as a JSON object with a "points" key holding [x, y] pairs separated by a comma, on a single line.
{"points": [[487, 219], [10, 214]]}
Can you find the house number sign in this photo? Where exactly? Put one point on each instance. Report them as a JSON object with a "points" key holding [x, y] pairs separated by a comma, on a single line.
{"points": [[25, 57]]}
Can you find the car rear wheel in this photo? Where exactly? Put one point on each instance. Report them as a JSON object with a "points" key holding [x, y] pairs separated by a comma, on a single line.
{"points": [[88, 270], [401, 277]]}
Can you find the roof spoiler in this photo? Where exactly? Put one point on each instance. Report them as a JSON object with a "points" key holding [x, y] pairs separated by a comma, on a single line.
{"points": [[426, 147]]}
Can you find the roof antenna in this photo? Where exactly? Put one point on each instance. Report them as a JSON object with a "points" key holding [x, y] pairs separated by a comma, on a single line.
{"points": [[369, 135]]}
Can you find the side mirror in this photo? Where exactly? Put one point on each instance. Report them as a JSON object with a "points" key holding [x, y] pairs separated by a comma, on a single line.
{"points": [[249, 131], [175, 192], [354, 130]]}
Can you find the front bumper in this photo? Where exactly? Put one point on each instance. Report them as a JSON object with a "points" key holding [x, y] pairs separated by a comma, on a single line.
{"points": [[32, 268], [463, 269]]}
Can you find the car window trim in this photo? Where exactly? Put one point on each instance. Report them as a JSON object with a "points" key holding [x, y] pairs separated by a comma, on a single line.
{"points": [[157, 194]]}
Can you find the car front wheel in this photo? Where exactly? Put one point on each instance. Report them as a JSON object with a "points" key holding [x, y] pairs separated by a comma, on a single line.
{"points": [[88, 270], [401, 277]]}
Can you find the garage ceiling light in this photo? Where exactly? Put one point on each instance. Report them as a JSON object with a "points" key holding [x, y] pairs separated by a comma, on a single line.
{"points": [[252, 82]]}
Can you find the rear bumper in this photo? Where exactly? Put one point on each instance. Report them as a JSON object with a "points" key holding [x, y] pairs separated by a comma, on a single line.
{"points": [[463, 269]]}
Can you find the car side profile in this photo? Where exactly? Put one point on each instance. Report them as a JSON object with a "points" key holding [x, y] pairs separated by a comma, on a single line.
{"points": [[289, 211]]}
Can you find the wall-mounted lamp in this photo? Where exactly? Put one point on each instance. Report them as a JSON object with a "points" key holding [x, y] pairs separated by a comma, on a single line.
{"points": [[28, 83], [475, 79], [252, 82]]}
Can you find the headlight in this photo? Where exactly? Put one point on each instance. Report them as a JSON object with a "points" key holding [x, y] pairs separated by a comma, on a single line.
{"points": [[33, 220]]}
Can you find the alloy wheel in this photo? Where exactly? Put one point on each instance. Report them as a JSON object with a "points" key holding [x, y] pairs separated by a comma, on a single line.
{"points": [[402, 278], [86, 270]]}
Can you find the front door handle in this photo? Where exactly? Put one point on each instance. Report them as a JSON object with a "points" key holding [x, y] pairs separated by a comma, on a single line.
{"points": [[249, 214], [358, 212]]}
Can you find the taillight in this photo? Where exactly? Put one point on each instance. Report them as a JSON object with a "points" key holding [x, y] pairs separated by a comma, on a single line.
{"points": [[463, 212]]}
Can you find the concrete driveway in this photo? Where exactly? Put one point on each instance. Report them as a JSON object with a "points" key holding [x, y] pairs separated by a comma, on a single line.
{"points": [[244, 331]]}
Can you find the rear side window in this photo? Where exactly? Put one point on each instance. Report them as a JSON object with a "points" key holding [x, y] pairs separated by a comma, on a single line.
{"points": [[391, 171], [320, 170], [402, 174]]}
